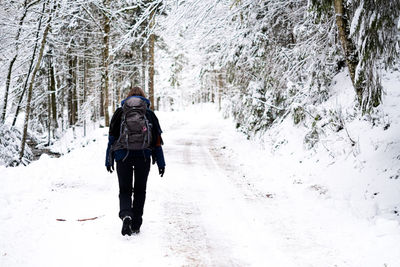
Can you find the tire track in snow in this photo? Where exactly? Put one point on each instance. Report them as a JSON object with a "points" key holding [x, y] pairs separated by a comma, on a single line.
{"points": [[186, 232], [209, 220], [249, 191]]}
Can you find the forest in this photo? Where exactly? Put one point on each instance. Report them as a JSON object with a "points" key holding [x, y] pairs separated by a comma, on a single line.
{"points": [[66, 65], [275, 136]]}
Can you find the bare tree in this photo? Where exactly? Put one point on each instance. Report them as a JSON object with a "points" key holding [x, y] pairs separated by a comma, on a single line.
{"points": [[26, 7], [151, 60], [30, 89], [106, 61], [31, 62]]}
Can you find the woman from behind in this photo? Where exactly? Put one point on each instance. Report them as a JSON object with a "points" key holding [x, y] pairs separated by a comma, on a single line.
{"points": [[134, 138]]}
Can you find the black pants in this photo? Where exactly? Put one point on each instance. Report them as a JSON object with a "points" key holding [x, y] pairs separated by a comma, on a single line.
{"points": [[140, 167]]}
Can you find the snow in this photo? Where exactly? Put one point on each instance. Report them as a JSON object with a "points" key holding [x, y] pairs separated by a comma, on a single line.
{"points": [[224, 200], [356, 19]]}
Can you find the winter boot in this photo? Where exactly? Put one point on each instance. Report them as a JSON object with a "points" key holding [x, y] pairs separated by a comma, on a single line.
{"points": [[135, 230], [126, 226]]}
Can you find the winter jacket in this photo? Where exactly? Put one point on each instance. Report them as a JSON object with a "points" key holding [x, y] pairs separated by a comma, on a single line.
{"points": [[155, 150]]}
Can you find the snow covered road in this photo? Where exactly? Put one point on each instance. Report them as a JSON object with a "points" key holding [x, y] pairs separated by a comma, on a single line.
{"points": [[208, 209], [210, 221]]}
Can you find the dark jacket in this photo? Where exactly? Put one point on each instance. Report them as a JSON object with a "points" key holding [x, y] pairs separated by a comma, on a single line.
{"points": [[114, 131]]}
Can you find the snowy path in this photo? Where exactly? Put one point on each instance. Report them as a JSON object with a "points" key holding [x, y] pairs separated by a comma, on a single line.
{"points": [[204, 212], [210, 221]]}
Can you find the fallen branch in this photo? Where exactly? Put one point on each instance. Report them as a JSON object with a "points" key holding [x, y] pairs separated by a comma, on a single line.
{"points": [[80, 220], [87, 219]]}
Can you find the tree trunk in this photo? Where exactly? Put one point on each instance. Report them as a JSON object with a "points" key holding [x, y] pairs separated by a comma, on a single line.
{"points": [[51, 109], [8, 81], [53, 96], [30, 89], [349, 49], [114, 89], [158, 103], [118, 89], [63, 102], [106, 29], [220, 90], [136, 78], [70, 90], [48, 107], [213, 86], [151, 61], [75, 89], [85, 76], [144, 63]]}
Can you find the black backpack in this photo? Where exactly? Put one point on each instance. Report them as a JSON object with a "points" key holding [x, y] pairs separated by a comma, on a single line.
{"points": [[135, 130]]}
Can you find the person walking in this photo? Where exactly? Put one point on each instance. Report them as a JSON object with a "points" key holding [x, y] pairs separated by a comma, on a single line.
{"points": [[134, 138]]}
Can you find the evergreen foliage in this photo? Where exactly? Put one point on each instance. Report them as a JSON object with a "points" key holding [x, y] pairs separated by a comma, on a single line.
{"points": [[375, 33]]}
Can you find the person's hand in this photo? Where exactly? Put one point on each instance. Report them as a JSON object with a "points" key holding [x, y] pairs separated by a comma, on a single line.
{"points": [[110, 168], [161, 171], [110, 155]]}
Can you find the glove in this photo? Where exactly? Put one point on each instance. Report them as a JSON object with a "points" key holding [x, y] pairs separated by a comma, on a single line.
{"points": [[110, 155], [110, 168], [161, 171], [110, 162], [158, 156]]}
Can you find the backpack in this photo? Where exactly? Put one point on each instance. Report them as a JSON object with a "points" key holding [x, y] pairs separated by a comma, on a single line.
{"points": [[135, 130]]}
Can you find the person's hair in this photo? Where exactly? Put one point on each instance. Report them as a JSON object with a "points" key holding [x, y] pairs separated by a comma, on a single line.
{"points": [[136, 91]]}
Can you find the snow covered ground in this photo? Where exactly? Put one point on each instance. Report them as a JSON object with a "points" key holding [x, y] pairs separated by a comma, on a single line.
{"points": [[224, 200]]}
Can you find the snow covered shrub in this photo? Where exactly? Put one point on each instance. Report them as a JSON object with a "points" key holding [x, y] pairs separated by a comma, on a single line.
{"points": [[10, 142], [298, 114], [336, 120], [311, 138]]}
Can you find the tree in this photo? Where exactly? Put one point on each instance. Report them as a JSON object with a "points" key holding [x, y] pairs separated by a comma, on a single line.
{"points": [[151, 59], [30, 89], [154, 8], [26, 7], [106, 60], [349, 50], [368, 33]]}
